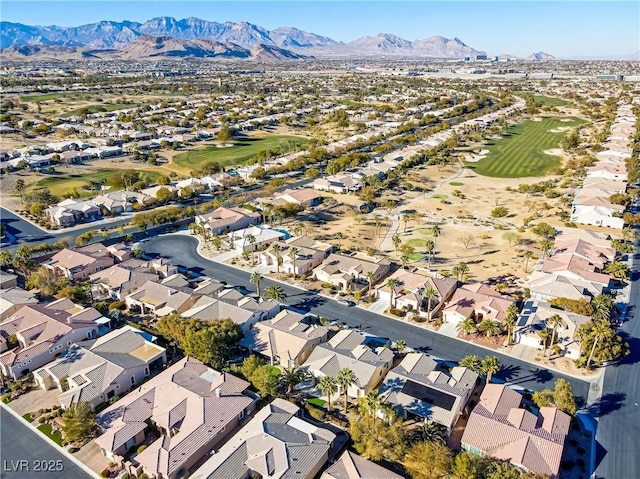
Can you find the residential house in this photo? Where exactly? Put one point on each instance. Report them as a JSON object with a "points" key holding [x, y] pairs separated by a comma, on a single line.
{"points": [[96, 371], [276, 443], [304, 197], [596, 216], [544, 286], [72, 211], [310, 254], [79, 263], [477, 301], [160, 300], [350, 272], [286, 340], [417, 387], [340, 183], [194, 410], [222, 220], [534, 318], [352, 466], [347, 349], [12, 299], [410, 292], [8, 280], [118, 281], [33, 335], [254, 238], [500, 429], [152, 192], [209, 309], [117, 202]]}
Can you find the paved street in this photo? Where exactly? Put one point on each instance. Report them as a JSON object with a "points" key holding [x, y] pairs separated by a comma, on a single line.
{"points": [[25, 455], [619, 408], [181, 249]]}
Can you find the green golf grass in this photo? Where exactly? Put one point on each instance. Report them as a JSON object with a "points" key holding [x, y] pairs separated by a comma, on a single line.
{"points": [[241, 151], [60, 184], [417, 243], [98, 108], [520, 153]]}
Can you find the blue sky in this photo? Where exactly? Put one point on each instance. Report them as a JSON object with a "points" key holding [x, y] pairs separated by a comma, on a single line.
{"points": [[566, 29]]}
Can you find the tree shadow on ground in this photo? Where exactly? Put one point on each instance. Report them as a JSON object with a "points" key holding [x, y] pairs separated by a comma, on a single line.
{"points": [[608, 403]]}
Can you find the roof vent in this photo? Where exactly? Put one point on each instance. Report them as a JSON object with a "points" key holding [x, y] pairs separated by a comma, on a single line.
{"points": [[218, 392]]}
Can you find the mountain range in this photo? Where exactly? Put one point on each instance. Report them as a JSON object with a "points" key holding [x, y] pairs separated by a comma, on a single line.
{"points": [[166, 37]]}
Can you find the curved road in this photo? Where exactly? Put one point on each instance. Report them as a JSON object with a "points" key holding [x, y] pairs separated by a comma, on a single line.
{"points": [[181, 249]]}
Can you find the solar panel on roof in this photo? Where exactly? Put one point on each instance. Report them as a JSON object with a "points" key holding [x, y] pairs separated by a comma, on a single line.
{"points": [[428, 394]]}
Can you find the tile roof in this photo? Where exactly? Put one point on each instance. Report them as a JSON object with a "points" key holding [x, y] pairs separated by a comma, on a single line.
{"points": [[352, 466], [503, 431]]}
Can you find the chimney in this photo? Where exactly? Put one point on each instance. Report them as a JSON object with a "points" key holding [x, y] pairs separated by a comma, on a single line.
{"points": [[69, 319], [218, 392]]}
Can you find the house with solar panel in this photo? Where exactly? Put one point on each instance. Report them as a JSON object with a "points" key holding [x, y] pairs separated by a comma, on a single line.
{"points": [[419, 388], [190, 410]]}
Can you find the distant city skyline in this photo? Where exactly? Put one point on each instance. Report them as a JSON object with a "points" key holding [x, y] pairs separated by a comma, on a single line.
{"points": [[565, 29]]}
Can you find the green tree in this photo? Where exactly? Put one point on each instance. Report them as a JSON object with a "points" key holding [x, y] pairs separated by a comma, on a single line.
{"points": [[561, 397], [345, 379], [395, 239], [22, 260], [274, 292], [429, 460], [599, 342], [250, 365], [545, 335], [465, 466], [511, 237], [430, 248], [499, 212], [618, 270], [5, 257], [78, 422], [528, 254], [431, 295], [511, 319], [276, 251], [545, 230], [392, 284], [371, 276], [293, 254], [328, 387], [490, 327], [472, 362], [377, 440], [460, 270], [554, 322], [290, 378], [265, 380], [212, 342], [467, 326], [19, 188]]}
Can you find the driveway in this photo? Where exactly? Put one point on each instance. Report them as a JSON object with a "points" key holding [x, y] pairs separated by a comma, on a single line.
{"points": [[34, 400], [91, 455]]}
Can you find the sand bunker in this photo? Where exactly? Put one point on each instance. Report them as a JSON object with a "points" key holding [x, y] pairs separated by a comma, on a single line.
{"points": [[536, 119], [559, 129], [553, 152], [565, 120]]}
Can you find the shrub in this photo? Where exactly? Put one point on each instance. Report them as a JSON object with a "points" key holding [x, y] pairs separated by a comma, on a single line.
{"points": [[141, 448], [315, 413], [326, 285], [143, 476], [105, 472], [397, 312], [118, 305], [41, 419], [126, 475]]}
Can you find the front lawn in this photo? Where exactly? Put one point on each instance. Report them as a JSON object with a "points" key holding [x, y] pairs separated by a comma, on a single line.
{"points": [[317, 401], [55, 436], [27, 417]]}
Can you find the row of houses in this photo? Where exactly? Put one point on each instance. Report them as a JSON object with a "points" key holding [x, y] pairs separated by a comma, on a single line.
{"points": [[592, 203]]}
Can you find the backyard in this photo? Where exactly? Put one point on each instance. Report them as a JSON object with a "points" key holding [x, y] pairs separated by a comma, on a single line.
{"points": [[527, 149], [241, 151]]}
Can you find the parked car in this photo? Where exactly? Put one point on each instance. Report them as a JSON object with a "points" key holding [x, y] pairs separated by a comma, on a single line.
{"points": [[345, 302]]}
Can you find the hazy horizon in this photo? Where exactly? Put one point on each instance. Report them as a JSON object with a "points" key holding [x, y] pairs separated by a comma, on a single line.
{"points": [[565, 29]]}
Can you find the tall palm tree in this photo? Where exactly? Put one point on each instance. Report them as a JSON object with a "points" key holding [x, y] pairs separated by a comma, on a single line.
{"points": [[276, 250], [406, 217], [274, 292], [404, 259], [467, 326], [392, 284], [370, 279], [216, 241], [490, 327], [544, 334], [256, 278], [431, 294], [378, 222], [297, 229], [490, 365], [528, 254], [435, 232], [293, 252], [291, 377], [554, 322], [599, 330], [371, 403], [602, 305], [430, 247], [511, 319], [460, 270], [339, 238], [546, 246], [345, 379], [329, 387], [252, 241], [395, 239], [617, 270]]}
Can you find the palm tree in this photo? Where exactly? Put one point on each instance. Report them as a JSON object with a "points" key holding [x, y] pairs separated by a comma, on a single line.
{"points": [[435, 232], [256, 278], [602, 305], [378, 222], [252, 241], [599, 330], [339, 238], [216, 241], [297, 229], [490, 327], [392, 284], [395, 239], [329, 387], [544, 334], [5, 257], [274, 292], [371, 403], [528, 254], [406, 218], [617, 270], [468, 326], [430, 247], [290, 377], [276, 250], [430, 294], [554, 322], [401, 345], [490, 365], [429, 432], [345, 379], [293, 252], [404, 259], [371, 276], [460, 270], [511, 319]]}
